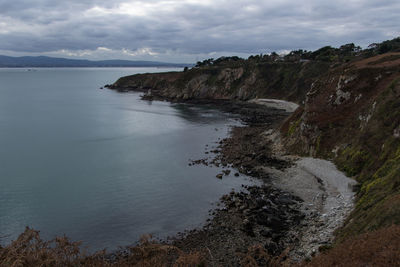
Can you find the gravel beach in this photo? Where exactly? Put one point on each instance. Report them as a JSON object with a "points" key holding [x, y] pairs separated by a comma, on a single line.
{"points": [[328, 199]]}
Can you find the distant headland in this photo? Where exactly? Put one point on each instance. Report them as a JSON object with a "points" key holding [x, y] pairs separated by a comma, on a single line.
{"points": [[49, 62]]}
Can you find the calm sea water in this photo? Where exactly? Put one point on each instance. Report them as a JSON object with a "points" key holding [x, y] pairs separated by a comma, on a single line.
{"points": [[101, 166]]}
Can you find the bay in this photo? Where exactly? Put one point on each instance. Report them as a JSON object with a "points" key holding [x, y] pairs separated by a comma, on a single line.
{"points": [[100, 166]]}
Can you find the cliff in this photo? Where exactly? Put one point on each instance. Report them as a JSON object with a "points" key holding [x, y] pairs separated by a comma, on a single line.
{"points": [[352, 116], [241, 80], [349, 112]]}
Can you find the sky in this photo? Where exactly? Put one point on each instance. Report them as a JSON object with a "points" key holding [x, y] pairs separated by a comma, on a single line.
{"points": [[189, 30]]}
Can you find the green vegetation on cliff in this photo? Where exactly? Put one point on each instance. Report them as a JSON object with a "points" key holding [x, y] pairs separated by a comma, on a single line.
{"points": [[352, 116], [374, 159]]}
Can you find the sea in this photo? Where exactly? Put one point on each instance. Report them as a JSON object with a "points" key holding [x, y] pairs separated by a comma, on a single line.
{"points": [[103, 167]]}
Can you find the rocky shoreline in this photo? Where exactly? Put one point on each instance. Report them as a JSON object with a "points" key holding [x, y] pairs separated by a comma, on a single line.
{"points": [[292, 215], [260, 215], [272, 217]]}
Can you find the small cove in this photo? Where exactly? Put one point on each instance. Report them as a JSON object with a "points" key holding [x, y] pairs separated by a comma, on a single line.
{"points": [[101, 166]]}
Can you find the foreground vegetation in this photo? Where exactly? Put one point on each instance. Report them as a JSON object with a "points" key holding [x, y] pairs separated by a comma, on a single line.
{"points": [[377, 248], [30, 250]]}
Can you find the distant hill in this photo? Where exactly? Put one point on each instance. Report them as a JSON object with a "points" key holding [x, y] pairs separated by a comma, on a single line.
{"points": [[43, 61]]}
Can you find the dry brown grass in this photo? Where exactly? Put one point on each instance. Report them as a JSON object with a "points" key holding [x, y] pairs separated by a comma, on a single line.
{"points": [[377, 248], [384, 60], [30, 250], [257, 256]]}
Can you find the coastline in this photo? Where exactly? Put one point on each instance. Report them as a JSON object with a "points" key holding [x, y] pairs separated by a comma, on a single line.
{"points": [[263, 225], [278, 216], [311, 204]]}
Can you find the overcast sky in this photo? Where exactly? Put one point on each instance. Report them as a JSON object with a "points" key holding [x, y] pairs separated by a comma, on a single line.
{"points": [[189, 30]]}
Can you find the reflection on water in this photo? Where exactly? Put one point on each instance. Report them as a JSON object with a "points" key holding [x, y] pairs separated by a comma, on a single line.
{"points": [[98, 165], [199, 114]]}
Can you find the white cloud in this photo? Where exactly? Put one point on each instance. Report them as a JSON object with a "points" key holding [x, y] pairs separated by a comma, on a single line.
{"points": [[189, 30], [140, 52]]}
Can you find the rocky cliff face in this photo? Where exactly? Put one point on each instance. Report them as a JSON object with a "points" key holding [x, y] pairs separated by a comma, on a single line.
{"points": [[352, 115], [242, 81]]}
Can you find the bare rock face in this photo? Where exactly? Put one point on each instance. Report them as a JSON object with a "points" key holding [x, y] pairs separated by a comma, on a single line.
{"points": [[196, 86], [240, 81], [228, 76], [341, 97]]}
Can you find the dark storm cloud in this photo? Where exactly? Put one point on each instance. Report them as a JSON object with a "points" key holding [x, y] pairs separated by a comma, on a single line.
{"points": [[192, 27]]}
